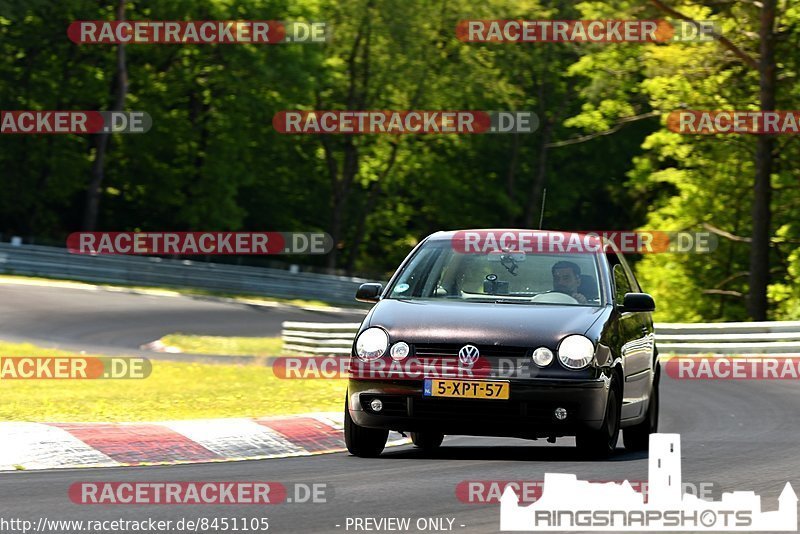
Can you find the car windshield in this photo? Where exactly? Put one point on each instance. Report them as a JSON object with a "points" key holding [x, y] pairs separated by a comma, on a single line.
{"points": [[437, 271]]}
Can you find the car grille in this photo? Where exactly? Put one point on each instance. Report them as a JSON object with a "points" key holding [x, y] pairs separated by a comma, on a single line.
{"points": [[465, 409], [471, 409], [451, 349]]}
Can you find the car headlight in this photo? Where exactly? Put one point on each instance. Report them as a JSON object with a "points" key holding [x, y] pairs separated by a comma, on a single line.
{"points": [[371, 344], [575, 351], [542, 356]]}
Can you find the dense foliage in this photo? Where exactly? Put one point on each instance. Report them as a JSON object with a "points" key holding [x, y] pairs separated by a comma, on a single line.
{"points": [[212, 160]]}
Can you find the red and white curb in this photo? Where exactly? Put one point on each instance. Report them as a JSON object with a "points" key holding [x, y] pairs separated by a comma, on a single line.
{"points": [[25, 446]]}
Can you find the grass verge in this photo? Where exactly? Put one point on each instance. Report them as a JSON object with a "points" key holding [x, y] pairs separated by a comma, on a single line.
{"points": [[228, 346], [173, 391]]}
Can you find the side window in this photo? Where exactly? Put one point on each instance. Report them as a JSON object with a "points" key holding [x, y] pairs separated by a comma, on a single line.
{"points": [[621, 283], [413, 278], [629, 273]]}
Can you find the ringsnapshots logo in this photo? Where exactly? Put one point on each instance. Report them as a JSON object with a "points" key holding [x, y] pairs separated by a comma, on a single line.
{"points": [[567, 503]]}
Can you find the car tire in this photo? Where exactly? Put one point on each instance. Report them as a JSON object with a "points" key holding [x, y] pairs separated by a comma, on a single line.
{"points": [[427, 441], [637, 437], [361, 441], [602, 443]]}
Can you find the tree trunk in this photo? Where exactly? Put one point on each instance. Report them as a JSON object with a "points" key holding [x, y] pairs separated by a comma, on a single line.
{"points": [[511, 175], [336, 230], [358, 236], [357, 95], [93, 193], [341, 194], [372, 199], [762, 190]]}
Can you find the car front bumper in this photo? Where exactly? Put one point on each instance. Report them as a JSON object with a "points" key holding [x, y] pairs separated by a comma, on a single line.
{"points": [[528, 413]]}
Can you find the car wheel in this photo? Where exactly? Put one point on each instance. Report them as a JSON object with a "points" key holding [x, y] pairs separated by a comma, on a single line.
{"points": [[362, 442], [637, 438], [427, 441], [603, 442]]}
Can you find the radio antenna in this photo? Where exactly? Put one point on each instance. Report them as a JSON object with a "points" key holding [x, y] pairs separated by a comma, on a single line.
{"points": [[541, 214]]}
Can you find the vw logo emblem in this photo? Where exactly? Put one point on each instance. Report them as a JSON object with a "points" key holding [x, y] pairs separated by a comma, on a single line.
{"points": [[468, 354]]}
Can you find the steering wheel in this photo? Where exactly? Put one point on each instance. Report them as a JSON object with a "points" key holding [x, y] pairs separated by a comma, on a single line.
{"points": [[554, 297]]}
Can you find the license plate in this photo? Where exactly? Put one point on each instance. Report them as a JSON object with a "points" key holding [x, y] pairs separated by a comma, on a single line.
{"points": [[466, 389]]}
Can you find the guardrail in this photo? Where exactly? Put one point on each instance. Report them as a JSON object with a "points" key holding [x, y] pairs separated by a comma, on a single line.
{"points": [[52, 262], [318, 338], [771, 337]]}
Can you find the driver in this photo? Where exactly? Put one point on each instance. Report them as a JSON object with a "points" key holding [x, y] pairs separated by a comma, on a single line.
{"points": [[566, 279]]}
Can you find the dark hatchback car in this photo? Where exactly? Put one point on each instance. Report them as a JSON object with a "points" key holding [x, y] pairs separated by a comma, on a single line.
{"points": [[504, 343]]}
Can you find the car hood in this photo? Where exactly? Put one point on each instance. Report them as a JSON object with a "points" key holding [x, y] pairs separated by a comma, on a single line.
{"points": [[520, 325]]}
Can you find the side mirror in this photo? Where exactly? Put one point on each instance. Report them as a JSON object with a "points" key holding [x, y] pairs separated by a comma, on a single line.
{"points": [[369, 292], [638, 302]]}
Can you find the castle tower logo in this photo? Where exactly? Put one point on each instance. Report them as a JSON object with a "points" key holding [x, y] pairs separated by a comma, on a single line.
{"points": [[571, 504]]}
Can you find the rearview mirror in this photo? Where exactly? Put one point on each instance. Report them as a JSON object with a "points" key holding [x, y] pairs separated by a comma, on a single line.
{"points": [[369, 292], [500, 256], [638, 302]]}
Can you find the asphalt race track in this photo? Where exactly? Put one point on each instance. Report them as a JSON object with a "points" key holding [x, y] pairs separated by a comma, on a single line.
{"points": [[114, 322], [736, 435]]}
